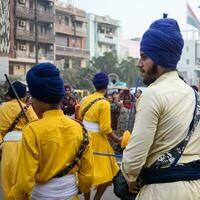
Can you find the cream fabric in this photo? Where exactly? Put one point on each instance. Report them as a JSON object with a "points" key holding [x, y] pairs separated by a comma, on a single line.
{"points": [[164, 113]]}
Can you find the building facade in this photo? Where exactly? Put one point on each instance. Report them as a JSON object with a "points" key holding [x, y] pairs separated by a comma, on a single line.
{"points": [[130, 48], [103, 35], [189, 64], [24, 54], [18, 42], [70, 37]]}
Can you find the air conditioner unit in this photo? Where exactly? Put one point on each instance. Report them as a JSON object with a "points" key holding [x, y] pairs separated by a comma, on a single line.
{"points": [[22, 1], [22, 23], [22, 47], [51, 3], [51, 47]]}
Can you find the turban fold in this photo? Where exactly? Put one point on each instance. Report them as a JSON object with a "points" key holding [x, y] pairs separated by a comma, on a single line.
{"points": [[100, 81], [19, 87], [163, 43], [45, 83]]}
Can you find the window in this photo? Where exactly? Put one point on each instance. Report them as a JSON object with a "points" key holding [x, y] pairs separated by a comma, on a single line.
{"points": [[187, 61], [31, 27], [78, 24], [60, 19], [18, 67], [101, 29], [22, 46], [187, 48], [31, 48], [66, 19]]}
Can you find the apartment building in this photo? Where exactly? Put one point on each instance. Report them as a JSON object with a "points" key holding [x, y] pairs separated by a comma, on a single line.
{"points": [[103, 35], [70, 36], [189, 64], [23, 25]]}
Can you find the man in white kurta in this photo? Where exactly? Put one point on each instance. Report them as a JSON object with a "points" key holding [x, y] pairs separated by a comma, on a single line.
{"points": [[164, 113]]}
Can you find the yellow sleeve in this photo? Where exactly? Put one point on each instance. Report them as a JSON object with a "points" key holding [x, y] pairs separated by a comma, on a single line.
{"points": [[27, 166], [31, 114], [86, 170], [105, 118]]}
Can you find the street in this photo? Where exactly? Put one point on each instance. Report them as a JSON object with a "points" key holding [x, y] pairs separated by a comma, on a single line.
{"points": [[108, 195]]}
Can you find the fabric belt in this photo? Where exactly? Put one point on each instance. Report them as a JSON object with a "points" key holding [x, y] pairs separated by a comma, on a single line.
{"points": [[91, 126], [13, 136], [62, 188], [185, 172]]}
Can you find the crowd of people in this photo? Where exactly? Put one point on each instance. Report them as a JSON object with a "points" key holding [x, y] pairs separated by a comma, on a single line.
{"points": [[57, 147]]}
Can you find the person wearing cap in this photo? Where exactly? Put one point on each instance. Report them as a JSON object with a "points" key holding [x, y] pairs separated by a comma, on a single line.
{"points": [[10, 135], [97, 120], [157, 158], [51, 144]]}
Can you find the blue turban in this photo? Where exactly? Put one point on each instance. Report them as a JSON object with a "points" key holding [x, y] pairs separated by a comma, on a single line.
{"points": [[100, 81], [163, 43], [45, 83], [19, 87]]}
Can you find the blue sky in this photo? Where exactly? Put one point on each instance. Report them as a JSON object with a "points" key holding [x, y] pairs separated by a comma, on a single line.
{"points": [[137, 15]]}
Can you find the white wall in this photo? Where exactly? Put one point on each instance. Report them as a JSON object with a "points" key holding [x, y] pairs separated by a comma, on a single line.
{"points": [[4, 68]]}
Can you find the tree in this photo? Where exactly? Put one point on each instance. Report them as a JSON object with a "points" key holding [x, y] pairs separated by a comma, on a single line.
{"points": [[129, 71], [107, 63]]}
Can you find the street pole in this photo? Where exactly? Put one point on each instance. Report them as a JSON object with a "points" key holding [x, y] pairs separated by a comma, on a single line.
{"points": [[36, 34]]}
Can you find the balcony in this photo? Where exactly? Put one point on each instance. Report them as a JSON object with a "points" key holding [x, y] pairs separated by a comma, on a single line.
{"points": [[47, 16], [25, 35], [108, 39], [48, 38], [23, 12], [61, 28], [31, 55], [80, 32], [72, 52], [27, 13], [69, 30]]}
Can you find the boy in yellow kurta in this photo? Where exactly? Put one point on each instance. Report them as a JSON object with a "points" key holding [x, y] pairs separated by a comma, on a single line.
{"points": [[12, 139], [97, 120], [50, 144]]}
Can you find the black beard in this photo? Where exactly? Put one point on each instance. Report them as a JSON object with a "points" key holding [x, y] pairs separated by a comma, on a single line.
{"points": [[152, 75]]}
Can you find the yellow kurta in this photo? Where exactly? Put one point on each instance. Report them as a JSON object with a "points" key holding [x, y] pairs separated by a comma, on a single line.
{"points": [[105, 167], [48, 146], [10, 150], [163, 116]]}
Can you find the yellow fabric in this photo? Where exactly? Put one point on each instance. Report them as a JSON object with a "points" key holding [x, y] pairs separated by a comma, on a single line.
{"points": [[105, 167], [164, 112], [9, 111], [10, 150], [48, 146]]}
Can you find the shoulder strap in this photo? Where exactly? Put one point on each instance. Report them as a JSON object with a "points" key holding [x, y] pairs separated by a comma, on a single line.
{"points": [[82, 148], [89, 105], [16, 120], [172, 157]]}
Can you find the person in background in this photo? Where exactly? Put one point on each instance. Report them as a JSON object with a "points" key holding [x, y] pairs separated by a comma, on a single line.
{"points": [[95, 113], [12, 120], [138, 93], [68, 103], [51, 144]]}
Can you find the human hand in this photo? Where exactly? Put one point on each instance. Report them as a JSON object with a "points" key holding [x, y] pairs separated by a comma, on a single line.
{"points": [[133, 187]]}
